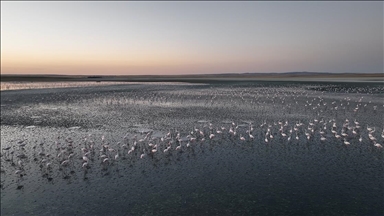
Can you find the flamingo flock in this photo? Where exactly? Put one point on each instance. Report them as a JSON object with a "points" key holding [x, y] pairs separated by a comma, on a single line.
{"points": [[107, 134], [68, 156]]}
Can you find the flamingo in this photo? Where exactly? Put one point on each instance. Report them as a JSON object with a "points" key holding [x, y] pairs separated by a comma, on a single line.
{"points": [[369, 128], [346, 142], [242, 138], [85, 165], [167, 149], [142, 156], [211, 136], [85, 159], [65, 163], [251, 136]]}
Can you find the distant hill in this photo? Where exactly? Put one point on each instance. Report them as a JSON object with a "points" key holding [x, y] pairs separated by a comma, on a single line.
{"points": [[297, 73], [291, 76]]}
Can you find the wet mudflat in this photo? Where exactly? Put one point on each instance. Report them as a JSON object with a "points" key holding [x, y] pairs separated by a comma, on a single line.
{"points": [[261, 148]]}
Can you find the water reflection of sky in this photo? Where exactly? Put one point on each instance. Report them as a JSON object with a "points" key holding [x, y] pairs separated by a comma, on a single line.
{"points": [[42, 85]]}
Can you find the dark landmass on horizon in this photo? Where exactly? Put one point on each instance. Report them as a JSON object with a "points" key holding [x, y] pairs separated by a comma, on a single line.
{"points": [[287, 76]]}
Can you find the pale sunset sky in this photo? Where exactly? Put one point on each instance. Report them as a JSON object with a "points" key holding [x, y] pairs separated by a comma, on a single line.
{"points": [[155, 38]]}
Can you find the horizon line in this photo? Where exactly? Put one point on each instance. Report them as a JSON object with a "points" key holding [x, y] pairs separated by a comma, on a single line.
{"points": [[229, 73]]}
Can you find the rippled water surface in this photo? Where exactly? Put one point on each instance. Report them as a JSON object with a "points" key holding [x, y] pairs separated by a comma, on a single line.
{"points": [[171, 149]]}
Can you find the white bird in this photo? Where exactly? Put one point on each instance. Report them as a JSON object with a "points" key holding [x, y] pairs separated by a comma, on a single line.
{"points": [[64, 163], [242, 138], [167, 149], [251, 136], [306, 133], [346, 142], [354, 132], [369, 128], [371, 137]]}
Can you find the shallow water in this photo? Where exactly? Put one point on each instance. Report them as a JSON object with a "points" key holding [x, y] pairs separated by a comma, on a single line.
{"points": [[222, 175]]}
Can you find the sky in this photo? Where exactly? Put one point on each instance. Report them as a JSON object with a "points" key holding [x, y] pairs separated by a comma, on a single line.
{"points": [[163, 38]]}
